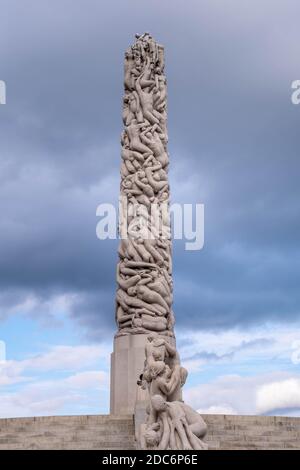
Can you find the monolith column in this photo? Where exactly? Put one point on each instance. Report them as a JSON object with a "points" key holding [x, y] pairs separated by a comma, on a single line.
{"points": [[144, 272]]}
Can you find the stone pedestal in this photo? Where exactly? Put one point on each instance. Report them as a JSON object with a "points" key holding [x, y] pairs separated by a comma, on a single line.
{"points": [[127, 363]]}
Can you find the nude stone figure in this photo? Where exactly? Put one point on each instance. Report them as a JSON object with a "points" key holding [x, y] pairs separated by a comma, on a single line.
{"points": [[146, 100], [186, 425], [160, 90], [133, 132], [155, 144], [171, 424], [128, 66], [156, 178]]}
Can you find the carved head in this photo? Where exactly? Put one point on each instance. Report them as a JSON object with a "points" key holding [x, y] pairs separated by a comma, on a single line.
{"points": [[151, 438], [157, 368], [131, 290], [158, 403], [127, 183], [152, 336]]}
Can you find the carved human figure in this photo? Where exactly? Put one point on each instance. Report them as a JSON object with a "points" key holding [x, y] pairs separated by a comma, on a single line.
{"points": [[146, 100], [165, 381], [160, 92], [155, 144], [133, 132], [158, 349], [185, 427], [171, 424], [128, 66], [149, 322], [157, 177]]}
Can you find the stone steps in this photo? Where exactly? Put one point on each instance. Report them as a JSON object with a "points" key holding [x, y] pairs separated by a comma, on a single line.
{"points": [[68, 432], [117, 432], [252, 432]]}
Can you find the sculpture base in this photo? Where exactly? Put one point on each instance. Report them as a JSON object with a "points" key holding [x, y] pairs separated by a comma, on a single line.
{"points": [[127, 363]]}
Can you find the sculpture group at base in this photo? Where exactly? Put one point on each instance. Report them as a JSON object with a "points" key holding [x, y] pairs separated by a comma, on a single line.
{"points": [[171, 423]]}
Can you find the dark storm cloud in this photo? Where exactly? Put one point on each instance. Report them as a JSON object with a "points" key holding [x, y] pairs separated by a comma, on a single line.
{"points": [[233, 144]]}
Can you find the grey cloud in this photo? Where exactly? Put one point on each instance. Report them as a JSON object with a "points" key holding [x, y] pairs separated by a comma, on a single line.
{"points": [[284, 412], [210, 357], [233, 144], [245, 345]]}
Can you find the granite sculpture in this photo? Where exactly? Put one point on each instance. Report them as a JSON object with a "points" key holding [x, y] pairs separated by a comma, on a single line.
{"points": [[144, 272], [170, 424]]}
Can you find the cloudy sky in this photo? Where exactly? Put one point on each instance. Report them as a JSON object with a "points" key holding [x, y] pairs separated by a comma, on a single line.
{"points": [[234, 146]]}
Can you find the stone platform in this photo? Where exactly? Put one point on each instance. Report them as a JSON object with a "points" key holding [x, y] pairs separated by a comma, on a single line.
{"points": [[109, 432]]}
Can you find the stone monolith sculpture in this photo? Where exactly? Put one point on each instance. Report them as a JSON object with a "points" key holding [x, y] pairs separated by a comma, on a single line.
{"points": [[144, 272], [144, 345]]}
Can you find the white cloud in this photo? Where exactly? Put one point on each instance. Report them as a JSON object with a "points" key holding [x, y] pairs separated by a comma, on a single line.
{"points": [[198, 348], [95, 379], [35, 395], [59, 358], [66, 357], [11, 373], [246, 395], [218, 410], [46, 397], [28, 303], [280, 395]]}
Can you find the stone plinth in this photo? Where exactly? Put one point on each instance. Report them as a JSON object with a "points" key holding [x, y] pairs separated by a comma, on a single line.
{"points": [[127, 363]]}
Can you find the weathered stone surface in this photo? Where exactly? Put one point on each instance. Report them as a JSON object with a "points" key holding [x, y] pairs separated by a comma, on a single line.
{"points": [[127, 363], [144, 273], [109, 432], [252, 432], [169, 422], [68, 432]]}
